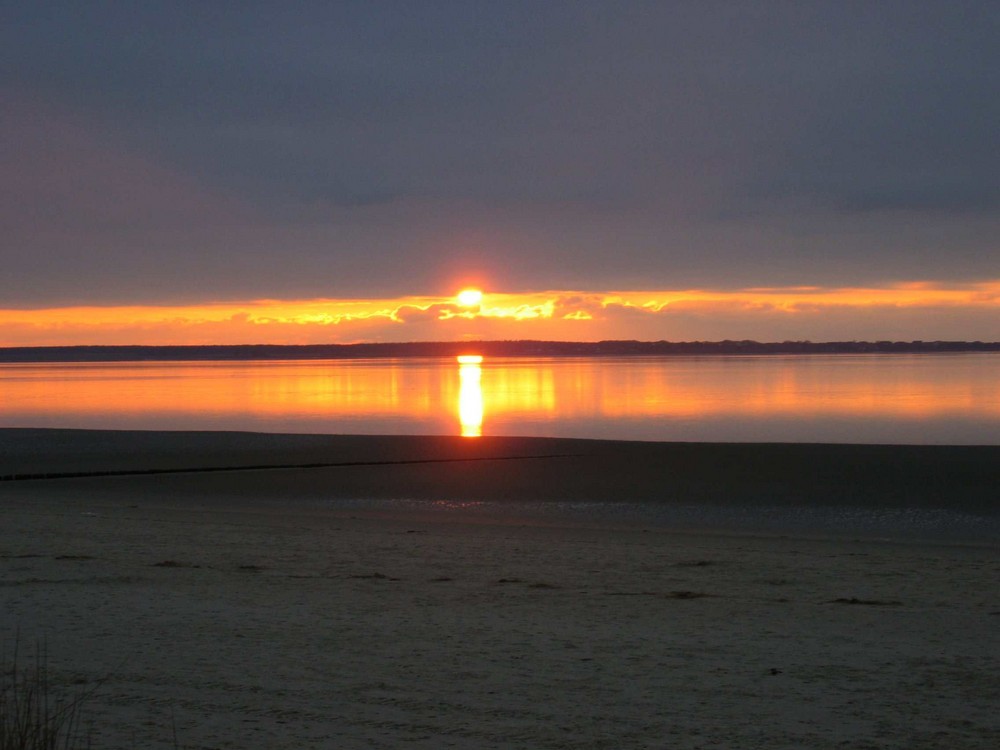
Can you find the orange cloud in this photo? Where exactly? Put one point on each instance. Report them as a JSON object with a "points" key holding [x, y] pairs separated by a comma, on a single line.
{"points": [[906, 310]]}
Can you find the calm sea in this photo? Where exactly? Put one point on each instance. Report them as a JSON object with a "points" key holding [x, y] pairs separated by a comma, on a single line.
{"points": [[922, 398]]}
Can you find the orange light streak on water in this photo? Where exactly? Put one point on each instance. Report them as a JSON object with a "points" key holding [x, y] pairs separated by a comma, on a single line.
{"points": [[497, 396], [470, 395]]}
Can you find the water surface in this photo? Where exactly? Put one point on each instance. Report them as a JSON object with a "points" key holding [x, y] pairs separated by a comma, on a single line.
{"points": [[919, 398]]}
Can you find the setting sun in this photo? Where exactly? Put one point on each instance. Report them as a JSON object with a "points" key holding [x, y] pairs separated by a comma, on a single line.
{"points": [[469, 297]]}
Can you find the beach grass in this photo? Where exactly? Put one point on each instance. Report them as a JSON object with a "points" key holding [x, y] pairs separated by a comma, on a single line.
{"points": [[33, 714]]}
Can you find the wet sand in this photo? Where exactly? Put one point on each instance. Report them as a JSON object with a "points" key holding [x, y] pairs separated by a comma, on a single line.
{"points": [[209, 602], [497, 469]]}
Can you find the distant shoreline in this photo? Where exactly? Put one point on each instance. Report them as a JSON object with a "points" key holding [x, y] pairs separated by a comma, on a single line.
{"points": [[248, 352]]}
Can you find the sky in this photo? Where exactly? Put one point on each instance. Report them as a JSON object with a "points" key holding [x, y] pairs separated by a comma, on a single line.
{"points": [[193, 172]]}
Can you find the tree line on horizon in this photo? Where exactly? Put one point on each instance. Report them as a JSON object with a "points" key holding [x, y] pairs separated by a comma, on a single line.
{"points": [[508, 348]]}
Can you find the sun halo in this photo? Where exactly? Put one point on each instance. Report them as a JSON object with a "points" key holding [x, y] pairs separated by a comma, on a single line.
{"points": [[469, 297]]}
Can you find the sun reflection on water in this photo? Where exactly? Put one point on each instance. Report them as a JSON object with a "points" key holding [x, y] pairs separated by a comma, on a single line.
{"points": [[836, 398], [470, 395]]}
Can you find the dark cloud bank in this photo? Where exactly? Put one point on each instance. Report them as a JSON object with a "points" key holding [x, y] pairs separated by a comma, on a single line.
{"points": [[185, 151]]}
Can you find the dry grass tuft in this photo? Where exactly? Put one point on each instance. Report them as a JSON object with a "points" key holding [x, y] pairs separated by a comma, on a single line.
{"points": [[32, 715]]}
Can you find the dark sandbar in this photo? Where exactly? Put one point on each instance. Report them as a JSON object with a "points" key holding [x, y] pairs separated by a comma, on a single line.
{"points": [[498, 468]]}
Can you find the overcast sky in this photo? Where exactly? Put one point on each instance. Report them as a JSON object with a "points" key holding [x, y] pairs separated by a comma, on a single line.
{"points": [[184, 152]]}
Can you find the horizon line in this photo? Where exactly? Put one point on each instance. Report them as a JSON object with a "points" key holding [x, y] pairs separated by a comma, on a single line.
{"points": [[500, 348]]}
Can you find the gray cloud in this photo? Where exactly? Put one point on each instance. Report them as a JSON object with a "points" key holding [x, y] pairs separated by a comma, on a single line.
{"points": [[368, 147]]}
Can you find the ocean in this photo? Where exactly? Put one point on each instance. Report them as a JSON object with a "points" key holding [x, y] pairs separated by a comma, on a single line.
{"points": [[947, 399]]}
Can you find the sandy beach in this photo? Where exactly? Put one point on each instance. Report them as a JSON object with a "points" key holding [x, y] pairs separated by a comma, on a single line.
{"points": [[264, 608]]}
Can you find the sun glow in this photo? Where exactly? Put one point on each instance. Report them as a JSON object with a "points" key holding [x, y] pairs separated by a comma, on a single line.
{"points": [[469, 297], [911, 310]]}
